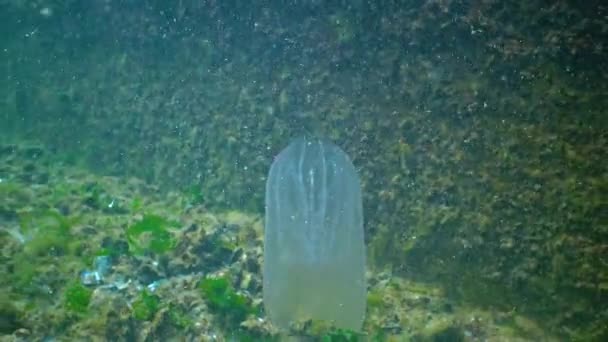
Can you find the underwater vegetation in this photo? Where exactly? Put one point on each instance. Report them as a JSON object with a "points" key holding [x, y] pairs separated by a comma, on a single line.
{"points": [[341, 336], [230, 306], [139, 285], [477, 129], [145, 306], [43, 231], [45, 236], [150, 234], [77, 297], [10, 316], [194, 194]]}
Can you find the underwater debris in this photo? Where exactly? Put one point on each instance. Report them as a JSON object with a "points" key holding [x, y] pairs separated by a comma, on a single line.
{"points": [[16, 233], [101, 266], [155, 284]]}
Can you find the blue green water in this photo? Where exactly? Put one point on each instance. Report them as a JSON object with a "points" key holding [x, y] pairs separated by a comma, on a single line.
{"points": [[136, 140]]}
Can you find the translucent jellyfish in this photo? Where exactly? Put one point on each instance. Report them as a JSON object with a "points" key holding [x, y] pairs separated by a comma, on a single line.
{"points": [[314, 253]]}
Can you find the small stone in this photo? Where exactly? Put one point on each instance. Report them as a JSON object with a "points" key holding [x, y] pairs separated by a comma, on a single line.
{"points": [[22, 333]]}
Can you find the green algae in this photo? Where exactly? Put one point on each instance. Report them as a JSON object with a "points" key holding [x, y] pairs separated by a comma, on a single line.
{"points": [[221, 297], [77, 298], [46, 231], [341, 335], [10, 316], [13, 192], [145, 306], [179, 317], [194, 194], [46, 237], [136, 204], [150, 234], [375, 300]]}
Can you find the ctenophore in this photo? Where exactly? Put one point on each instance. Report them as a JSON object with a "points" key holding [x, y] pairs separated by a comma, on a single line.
{"points": [[314, 252]]}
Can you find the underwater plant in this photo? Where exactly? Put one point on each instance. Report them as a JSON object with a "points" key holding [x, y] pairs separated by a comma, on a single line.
{"points": [[150, 234], [44, 231], [145, 306], [341, 335], [194, 194], [179, 317], [224, 300], [10, 316], [136, 204], [46, 243], [77, 297]]}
